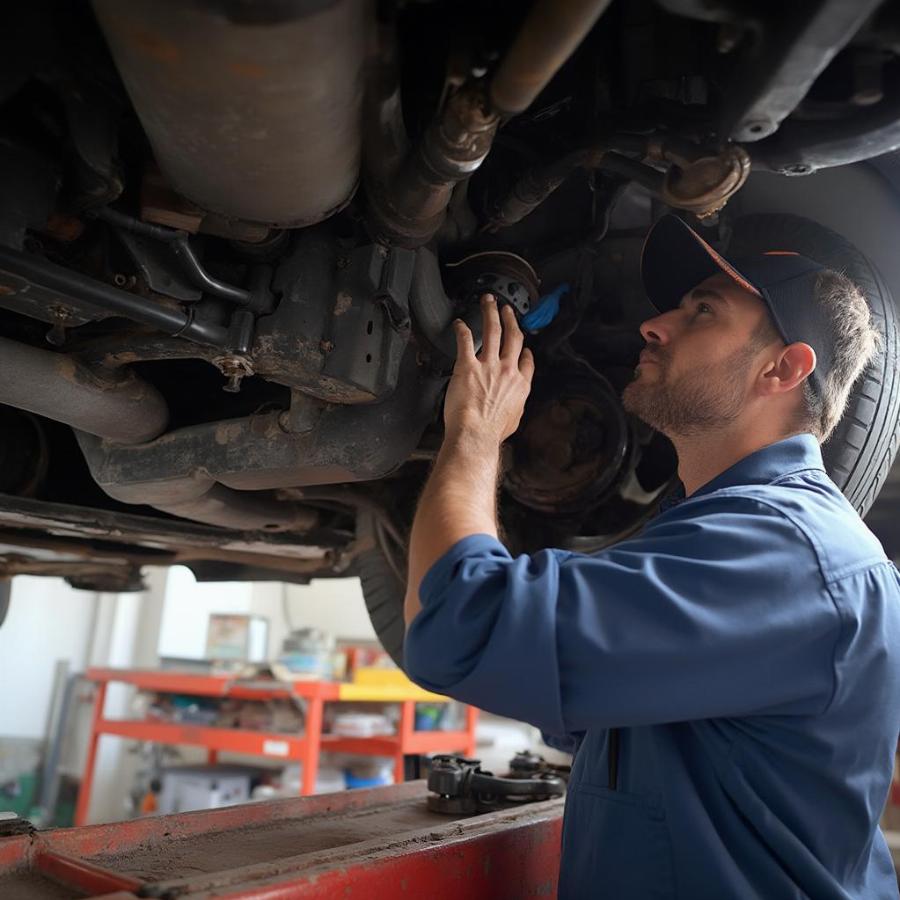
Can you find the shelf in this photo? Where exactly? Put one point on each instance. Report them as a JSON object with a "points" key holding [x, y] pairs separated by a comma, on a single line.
{"points": [[303, 749], [215, 685], [275, 744], [382, 745], [433, 741], [390, 744], [233, 740]]}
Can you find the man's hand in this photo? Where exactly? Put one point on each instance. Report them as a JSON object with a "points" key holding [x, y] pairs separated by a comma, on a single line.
{"points": [[484, 404], [487, 393]]}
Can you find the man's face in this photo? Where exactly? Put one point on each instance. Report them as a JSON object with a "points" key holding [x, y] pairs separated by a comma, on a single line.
{"points": [[697, 370]]}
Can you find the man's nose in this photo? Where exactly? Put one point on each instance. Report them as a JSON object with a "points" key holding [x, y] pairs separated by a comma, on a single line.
{"points": [[656, 330]]}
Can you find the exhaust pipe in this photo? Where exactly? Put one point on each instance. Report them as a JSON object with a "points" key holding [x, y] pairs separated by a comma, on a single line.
{"points": [[550, 35], [408, 197], [115, 405], [199, 497]]}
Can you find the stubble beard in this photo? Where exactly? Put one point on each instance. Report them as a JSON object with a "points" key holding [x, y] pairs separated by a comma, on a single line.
{"points": [[706, 399]]}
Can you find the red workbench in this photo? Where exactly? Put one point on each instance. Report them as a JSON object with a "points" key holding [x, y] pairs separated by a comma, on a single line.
{"points": [[304, 748], [380, 844]]}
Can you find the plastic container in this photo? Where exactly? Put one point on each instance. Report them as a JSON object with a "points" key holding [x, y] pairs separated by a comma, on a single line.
{"points": [[369, 772], [358, 724], [329, 780], [308, 653], [353, 781], [429, 716]]}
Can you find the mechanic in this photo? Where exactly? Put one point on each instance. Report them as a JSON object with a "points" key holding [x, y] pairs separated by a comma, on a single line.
{"points": [[731, 676]]}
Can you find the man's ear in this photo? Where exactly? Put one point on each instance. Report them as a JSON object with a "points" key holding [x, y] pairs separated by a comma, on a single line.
{"points": [[793, 364]]}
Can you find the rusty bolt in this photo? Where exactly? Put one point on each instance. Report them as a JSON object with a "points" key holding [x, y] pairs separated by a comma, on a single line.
{"points": [[57, 333], [326, 346], [235, 369]]}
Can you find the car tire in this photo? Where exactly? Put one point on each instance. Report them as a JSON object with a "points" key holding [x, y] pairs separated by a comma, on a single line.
{"points": [[860, 451], [5, 594], [383, 589]]}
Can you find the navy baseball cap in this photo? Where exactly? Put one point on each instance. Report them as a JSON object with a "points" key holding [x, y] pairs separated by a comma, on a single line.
{"points": [[675, 259]]}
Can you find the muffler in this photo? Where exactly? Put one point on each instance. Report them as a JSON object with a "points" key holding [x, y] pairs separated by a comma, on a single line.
{"points": [[253, 110]]}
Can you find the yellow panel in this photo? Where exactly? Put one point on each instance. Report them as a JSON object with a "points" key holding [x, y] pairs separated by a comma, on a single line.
{"points": [[375, 675], [387, 693]]}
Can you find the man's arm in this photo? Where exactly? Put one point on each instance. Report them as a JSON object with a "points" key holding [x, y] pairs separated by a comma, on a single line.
{"points": [[485, 401], [718, 608]]}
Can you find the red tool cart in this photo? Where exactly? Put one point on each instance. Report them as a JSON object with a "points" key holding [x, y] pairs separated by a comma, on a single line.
{"points": [[303, 748]]}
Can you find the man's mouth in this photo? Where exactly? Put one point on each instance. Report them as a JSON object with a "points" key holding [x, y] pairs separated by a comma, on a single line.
{"points": [[647, 357]]}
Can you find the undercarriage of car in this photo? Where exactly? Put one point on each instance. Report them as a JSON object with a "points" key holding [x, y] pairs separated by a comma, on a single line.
{"points": [[234, 236]]}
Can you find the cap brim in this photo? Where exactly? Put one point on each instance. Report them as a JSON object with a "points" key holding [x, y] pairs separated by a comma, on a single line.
{"points": [[675, 259]]}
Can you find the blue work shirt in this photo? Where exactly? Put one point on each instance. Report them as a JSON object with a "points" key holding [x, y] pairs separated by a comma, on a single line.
{"points": [[744, 647]]}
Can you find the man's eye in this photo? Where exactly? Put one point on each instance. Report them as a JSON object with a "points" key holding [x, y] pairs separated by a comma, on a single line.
{"points": [[704, 308]]}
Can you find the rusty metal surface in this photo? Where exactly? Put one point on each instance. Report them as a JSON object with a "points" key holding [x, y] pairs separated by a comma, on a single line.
{"points": [[697, 179], [376, 843], [534, 187], [78, 538], [507, 276], [574, 446], [703, 186], [342, 323], [255, 120], [27, 884], [32, 285]]}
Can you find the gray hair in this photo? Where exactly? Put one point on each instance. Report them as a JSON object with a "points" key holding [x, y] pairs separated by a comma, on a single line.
{"points": [[856, 341]]}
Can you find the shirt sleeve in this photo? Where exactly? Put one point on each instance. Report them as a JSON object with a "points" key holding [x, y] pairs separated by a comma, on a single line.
{"points": [[565, 743], [721, 613]]}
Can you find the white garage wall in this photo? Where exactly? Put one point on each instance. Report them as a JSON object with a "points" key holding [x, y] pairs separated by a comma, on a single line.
{"points": [[125, 636], [334, 605], [187, 607], [47, 621]]}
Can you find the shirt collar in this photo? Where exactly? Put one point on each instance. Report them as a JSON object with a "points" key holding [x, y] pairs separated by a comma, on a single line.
{"points": [[793, 454]]}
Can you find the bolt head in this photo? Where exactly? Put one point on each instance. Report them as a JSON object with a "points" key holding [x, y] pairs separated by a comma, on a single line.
{"points": [[755, 129]]}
